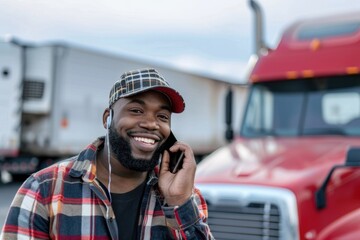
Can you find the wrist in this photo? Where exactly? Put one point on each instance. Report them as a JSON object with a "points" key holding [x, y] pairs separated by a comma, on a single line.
{"points": [[176, 201], [181, 217]]}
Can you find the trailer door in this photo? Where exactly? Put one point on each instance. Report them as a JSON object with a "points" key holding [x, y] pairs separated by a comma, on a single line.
{"points": [[10, 98]]}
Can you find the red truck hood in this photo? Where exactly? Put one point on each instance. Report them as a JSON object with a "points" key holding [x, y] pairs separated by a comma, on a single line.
{"points": [[283, 162]]}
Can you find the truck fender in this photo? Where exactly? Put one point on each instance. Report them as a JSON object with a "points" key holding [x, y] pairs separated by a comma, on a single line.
{"points": [[345, 228]]}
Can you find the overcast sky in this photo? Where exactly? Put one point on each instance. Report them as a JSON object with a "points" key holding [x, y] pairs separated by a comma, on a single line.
{"points": [[209, 36]]}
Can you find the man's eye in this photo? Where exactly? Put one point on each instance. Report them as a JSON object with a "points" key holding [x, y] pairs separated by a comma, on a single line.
{"points": [[135, 110], [164, 117]]}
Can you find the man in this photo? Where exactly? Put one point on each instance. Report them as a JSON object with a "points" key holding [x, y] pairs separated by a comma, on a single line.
{"points": [[117, 188]]}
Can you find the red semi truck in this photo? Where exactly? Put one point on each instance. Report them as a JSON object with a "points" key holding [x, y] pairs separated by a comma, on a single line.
{"points": [[293, 171]]}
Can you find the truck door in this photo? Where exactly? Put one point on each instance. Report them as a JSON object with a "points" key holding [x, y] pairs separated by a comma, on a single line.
{"points": [[10, 98]]}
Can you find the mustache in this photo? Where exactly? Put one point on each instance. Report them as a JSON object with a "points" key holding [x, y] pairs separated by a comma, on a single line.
{"points": [[122, 151]]}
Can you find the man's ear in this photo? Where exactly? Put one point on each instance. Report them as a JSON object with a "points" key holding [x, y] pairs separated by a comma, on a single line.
{"points": [[107, 118]]}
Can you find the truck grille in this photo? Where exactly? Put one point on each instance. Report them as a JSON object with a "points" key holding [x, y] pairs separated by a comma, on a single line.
{"points": [[33, 89], [256, 221], [239, 211]]}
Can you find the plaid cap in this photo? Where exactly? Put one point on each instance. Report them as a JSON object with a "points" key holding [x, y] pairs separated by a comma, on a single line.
{"points": [[141, 80]]}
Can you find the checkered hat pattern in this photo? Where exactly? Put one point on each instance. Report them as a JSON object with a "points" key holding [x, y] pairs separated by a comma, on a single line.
{"points": [[141, 80]]}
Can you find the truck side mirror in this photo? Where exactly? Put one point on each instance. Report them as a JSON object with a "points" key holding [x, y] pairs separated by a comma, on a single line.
{"points": [[229, 134], [352, 160]]}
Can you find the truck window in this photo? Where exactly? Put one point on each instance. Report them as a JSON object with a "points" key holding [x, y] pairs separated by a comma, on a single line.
{"points": [[341, 108], [320, 31], [304, 107]]}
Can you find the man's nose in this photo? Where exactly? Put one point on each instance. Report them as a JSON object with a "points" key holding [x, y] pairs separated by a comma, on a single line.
{"points": [[150, 122]]}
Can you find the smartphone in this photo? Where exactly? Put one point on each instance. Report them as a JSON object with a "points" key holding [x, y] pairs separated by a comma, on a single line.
{"points": [[176, 158]]}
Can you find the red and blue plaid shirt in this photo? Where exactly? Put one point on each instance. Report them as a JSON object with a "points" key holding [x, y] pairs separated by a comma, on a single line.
{"points": [[66, 201]]}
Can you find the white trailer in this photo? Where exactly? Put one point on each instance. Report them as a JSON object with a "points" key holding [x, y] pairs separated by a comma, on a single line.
{"points": [[52, 97]]}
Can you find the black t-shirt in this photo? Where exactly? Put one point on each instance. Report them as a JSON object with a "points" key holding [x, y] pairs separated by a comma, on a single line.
{"points": [[126, 208]]}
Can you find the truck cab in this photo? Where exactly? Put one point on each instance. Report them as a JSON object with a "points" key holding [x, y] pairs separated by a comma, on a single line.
{"points": [[286, 174]]}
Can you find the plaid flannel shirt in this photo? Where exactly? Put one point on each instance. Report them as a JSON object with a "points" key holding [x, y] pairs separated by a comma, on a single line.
{"points": [[66, 201]]}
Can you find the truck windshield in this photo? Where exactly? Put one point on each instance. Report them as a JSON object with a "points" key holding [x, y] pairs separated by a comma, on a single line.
{"points": [[324, 106]]}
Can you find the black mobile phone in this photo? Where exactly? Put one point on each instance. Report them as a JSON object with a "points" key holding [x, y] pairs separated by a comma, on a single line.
{"points": [[176, 158]]}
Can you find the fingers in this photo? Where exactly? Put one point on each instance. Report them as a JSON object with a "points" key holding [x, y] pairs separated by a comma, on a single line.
{"points": [[177, 187], [180, 146], [165, 162], [188, 161]]}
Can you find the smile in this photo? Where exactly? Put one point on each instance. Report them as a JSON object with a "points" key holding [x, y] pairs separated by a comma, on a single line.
{"points": [[145, 140]]}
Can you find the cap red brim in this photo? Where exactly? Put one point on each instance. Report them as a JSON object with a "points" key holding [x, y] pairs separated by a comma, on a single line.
{"points": [[177, 101]]}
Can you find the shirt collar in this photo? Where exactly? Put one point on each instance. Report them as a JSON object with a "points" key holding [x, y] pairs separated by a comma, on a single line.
{"points": [[85, 164]]}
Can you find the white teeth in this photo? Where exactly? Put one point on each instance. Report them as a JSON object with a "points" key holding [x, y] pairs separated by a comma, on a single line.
{"points": [[145, 140]]}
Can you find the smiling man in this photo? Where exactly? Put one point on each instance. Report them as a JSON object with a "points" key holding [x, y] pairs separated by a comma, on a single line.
{"points": [[120, 186]]}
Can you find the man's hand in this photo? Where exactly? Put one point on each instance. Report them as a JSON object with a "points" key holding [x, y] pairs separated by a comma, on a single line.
{"points": [[177, 188]]}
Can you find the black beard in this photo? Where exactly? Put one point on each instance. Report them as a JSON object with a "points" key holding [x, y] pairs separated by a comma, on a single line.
{"points": [[121, 148]]}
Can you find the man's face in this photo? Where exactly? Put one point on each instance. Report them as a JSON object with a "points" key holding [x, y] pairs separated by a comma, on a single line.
{"points": [[140, 125]]}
